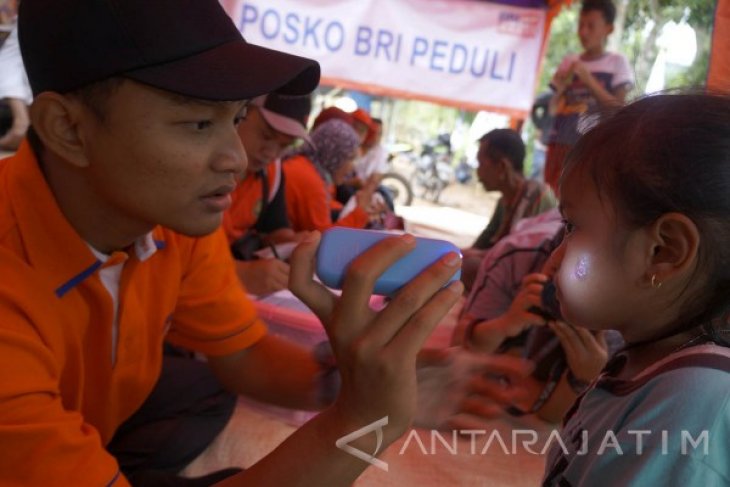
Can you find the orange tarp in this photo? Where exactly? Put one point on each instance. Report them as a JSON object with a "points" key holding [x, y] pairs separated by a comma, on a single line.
{"points": [[718, 76]]}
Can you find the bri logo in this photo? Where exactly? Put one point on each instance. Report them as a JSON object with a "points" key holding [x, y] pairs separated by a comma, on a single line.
{"points": [[516, 24], [377, 426]]}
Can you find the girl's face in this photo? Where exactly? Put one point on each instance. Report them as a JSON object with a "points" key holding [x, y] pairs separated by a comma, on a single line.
{"points": [[600, 263]]}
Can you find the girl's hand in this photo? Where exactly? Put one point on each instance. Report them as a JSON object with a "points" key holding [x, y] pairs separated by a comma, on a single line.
{"points": [[518, 316], [486, 336], [585, 351], [376, 352]]}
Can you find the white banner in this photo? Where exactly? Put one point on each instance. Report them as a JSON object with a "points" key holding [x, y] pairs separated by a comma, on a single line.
{"points": [[467, 53]]}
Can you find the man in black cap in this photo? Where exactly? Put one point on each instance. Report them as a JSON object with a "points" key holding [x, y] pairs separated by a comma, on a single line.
{"points": [[257, 217], [110, 243]]}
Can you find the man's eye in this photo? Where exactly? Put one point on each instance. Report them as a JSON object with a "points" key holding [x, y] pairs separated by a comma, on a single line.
{"points": [[241, 116], [202, 125]]}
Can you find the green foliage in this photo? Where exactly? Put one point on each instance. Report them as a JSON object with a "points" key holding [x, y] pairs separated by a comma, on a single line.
{"points": [[416, 122], [641, 17], [563, 40]]}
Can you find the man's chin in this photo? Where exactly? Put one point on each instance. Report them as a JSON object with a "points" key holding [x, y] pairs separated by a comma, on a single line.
{"points": [[199, 227]]}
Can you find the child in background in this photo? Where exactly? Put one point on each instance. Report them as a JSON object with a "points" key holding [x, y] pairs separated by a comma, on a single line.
{"points": [[585, 85], [646, 199]]}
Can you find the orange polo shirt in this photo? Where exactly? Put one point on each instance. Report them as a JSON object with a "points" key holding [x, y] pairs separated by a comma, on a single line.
{"points": [[61, 397], [308, 200], [246, 205]]}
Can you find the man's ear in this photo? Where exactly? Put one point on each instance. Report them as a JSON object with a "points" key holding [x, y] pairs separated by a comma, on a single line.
{"points": [[675, 244], [505, 166], [57, 120]]}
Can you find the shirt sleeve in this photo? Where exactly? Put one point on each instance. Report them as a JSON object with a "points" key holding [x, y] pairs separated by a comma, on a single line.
{"points": [[214, 315], [624, 75], [684, 416], [306, 198], [484, 240], [381, 160], [547, 200], [491, 294], [357, 218], [42, 442]]}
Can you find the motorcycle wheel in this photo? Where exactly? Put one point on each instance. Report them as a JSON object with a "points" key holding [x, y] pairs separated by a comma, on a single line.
{"points": [[399, 187]]}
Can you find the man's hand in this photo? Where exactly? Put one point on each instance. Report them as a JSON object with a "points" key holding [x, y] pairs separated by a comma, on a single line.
{"points": [[455, 384], [263, 276], [376, 352]]}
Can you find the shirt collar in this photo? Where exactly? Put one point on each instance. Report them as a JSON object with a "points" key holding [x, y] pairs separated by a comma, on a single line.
{"points": [[52, 245]]}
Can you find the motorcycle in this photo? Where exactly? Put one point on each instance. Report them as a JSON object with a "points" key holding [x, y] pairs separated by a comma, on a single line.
{"points": [[398, 186], [433, 169]]}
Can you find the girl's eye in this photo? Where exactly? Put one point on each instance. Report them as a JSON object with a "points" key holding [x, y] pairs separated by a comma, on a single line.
{"points": [[569, 227]]}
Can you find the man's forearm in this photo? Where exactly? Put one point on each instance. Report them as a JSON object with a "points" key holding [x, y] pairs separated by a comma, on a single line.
{"points": [[273, 370], [310, 455]]}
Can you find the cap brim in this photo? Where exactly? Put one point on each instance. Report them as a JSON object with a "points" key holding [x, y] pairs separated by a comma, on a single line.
{"points": [[236, 70], [285, 125]]}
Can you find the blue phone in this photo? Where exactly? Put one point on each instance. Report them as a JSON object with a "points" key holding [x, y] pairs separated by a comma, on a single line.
{"points": [[340, 246]]}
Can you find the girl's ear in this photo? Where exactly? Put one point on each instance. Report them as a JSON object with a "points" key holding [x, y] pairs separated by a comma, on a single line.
{"points": [[676, 242], [57, 120]]}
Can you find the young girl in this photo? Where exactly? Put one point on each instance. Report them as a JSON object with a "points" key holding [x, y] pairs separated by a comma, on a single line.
{"points": [[646, 199]]}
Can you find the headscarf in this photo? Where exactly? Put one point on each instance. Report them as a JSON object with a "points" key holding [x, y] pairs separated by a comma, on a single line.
{"points": [[333, 144]]}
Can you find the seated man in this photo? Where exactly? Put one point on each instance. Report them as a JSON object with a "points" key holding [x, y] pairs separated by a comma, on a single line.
{"points": [[109, 244], [501, 157], [257, 215]]}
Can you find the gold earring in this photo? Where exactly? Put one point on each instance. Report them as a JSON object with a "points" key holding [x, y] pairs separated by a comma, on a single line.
{"points": [[654, 283]]}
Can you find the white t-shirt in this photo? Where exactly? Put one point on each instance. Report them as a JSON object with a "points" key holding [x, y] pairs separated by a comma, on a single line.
{"points": [[578, 110], [374, 161]]}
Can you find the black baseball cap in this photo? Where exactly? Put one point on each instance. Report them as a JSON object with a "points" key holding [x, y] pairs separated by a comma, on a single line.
{"points": [[188, 47], [286, 114]]}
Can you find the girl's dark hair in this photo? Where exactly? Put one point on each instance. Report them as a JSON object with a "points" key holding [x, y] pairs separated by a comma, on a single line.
{"points": [[671, 153]]}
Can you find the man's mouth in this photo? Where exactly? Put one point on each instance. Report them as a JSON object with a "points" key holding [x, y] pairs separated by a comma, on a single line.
{"points": [[220, 198]]}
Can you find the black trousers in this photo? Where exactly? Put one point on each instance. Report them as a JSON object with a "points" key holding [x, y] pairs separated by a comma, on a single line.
{"points": [[187, 409]]}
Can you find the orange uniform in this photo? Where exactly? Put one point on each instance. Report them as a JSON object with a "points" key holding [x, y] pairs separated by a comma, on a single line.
{"points": [[62, 396], [308, 200], [248, 204]]}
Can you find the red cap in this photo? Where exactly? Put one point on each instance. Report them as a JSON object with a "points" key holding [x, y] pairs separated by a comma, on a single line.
{"points": [[332, 113]]}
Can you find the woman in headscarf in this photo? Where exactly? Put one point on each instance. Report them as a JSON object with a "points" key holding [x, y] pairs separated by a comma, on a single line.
{"points": [[311, 174]]}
